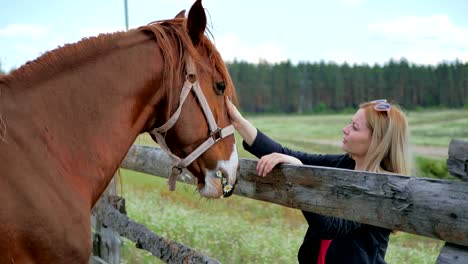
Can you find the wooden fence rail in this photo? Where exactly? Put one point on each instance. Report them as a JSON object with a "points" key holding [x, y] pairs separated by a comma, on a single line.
{"points": [[167, 250], [428, 207]]}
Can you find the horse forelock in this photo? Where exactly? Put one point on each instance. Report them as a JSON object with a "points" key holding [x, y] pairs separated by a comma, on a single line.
{"points": [[218, 63], [175, 43]]}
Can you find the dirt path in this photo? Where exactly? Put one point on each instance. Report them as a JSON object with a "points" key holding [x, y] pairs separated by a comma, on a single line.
{"points": [[427, 151]]}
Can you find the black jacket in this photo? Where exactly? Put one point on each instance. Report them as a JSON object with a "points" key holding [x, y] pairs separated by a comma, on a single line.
{"points": [[352, 242]]}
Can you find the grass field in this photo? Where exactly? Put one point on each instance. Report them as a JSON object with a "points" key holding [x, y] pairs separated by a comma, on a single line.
{"points": [[242, 230]]}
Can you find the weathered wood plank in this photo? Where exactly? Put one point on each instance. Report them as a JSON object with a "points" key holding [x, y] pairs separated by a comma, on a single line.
{"points": [[151, 160], [427, 207], [107, 242], [457, 162], [167, 250], [453, 254]]}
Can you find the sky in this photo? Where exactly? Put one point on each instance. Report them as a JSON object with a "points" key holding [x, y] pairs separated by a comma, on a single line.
{"points": [[353, 31]]}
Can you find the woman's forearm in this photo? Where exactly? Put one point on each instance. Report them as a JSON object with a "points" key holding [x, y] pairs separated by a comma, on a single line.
{"points": [[247, 131]]}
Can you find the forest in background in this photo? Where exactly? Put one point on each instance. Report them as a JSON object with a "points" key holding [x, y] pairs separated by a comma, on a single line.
{"points": [[326, 86], [317, 87]]}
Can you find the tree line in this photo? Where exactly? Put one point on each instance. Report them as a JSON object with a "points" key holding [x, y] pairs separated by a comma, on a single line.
{"points": [[319, 86]]}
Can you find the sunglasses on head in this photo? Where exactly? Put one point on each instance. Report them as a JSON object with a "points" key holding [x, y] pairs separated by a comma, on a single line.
{"points": [[381, 105]]}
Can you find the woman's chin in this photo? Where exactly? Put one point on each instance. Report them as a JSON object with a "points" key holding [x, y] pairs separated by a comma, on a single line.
{"points": [[344, 148]]}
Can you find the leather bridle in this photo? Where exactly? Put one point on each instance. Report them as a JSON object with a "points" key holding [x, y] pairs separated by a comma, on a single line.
{"points": [[216, 133]]}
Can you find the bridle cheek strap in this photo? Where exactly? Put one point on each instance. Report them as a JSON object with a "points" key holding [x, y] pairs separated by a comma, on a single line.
{"points": [[216, 133]]}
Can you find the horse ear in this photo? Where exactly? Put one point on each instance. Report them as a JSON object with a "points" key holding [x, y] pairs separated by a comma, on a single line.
{"points": [[181, 14], [196, 22]]}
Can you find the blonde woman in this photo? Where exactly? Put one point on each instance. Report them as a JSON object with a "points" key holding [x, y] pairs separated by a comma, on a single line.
{"points": [[376, 140]]}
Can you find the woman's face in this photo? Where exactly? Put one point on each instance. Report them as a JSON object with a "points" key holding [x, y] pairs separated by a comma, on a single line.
{"points": [[357, 136]]}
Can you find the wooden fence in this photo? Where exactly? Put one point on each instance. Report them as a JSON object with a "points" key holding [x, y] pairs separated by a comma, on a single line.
{"points": [[427, 207]]}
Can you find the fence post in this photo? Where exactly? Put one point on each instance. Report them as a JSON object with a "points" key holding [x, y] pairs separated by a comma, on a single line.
{"points": [[165, 249], [457, 164], [440, 202], [107, 242], [457, 161]]}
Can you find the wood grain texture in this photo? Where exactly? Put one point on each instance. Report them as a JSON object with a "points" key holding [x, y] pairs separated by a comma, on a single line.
{"points": [[167, 250], [457, 162], [453, 254], [427, 207]]}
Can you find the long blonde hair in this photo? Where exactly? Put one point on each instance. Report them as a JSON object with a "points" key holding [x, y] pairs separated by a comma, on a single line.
{"points": [[389, 147]]}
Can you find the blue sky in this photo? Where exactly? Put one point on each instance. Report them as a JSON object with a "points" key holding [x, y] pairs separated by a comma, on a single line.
{"points": [[355, 31]]}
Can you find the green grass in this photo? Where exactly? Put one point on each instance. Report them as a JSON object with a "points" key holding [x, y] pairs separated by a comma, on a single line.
{"points": [[234, 230], [437, 128], [242, 230]]}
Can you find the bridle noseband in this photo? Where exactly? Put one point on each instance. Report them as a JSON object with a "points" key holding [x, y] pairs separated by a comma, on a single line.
{"points": [[216, 133]]}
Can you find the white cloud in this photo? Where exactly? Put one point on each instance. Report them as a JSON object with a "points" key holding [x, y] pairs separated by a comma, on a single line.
{"points": [[27, 49], [437, 27], [352, 2], [185, 4], [24, 30], [429, 39], [28, 41], [88, 32], [231, 47], [177, 1], [428, 56], [341, 56]]}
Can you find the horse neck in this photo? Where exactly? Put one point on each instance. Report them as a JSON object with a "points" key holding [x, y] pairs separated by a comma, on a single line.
{"points": [[89, 117]]}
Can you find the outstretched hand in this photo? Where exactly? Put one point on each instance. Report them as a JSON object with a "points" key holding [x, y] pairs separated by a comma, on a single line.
{"points": [[268, 162], [234, 114], [247, 131]]}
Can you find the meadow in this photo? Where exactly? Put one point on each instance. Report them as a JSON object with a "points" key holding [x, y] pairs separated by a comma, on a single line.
{"points": [[242, 230]]}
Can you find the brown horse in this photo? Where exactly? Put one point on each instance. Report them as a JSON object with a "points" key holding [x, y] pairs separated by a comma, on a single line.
{"points": [[68, 118]]}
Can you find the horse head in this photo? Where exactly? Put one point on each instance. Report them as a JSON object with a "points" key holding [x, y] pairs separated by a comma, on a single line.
{"points": [[196, 132]]}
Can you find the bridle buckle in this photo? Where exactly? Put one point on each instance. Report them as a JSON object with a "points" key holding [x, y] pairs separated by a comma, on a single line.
{"points": [[176, 170], [216, 135]]}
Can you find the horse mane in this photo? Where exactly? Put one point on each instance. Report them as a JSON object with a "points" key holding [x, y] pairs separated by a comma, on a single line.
{"points": [[174, 55], [63, 58], [172, 38], [3, 127]]}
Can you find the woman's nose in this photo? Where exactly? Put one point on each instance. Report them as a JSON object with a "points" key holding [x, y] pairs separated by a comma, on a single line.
{"points": [[345, 129]]}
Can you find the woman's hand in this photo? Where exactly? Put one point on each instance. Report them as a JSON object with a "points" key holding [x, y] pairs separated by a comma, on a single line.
{"points": [[234, 114], [247, 131], [268, 162]]}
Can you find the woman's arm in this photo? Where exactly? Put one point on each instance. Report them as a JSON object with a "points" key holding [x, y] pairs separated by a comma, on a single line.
{"points": [[248, 132], [268, 162], [272, 153]]}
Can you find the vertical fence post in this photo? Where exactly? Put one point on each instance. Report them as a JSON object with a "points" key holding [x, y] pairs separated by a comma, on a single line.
{"points": [[107, 242], [457, 164]]}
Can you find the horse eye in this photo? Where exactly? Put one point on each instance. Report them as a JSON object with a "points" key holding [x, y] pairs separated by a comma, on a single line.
{"points": [[220, 87]]}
